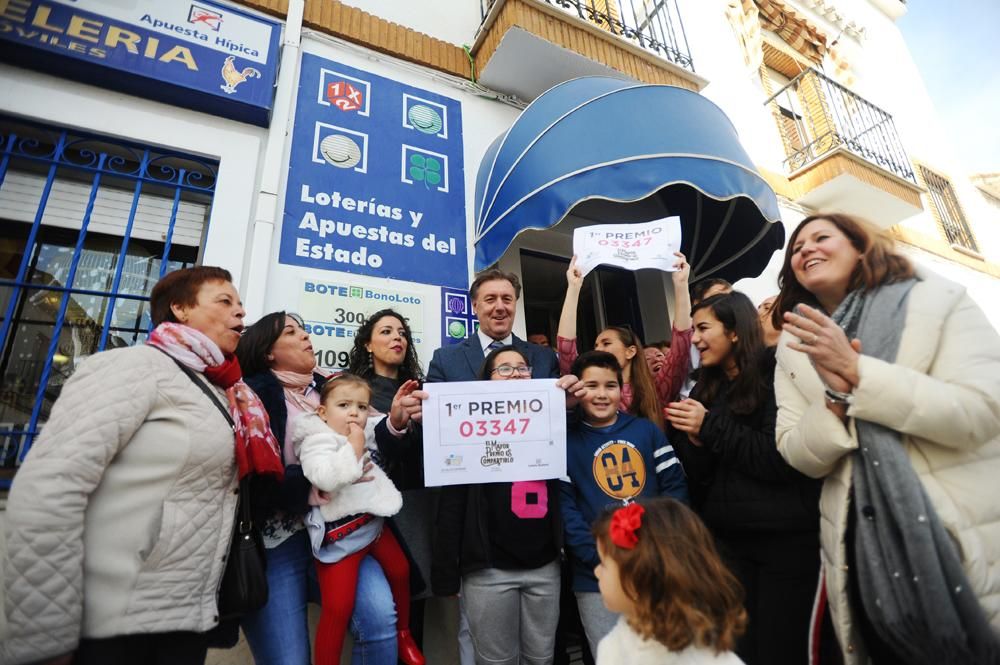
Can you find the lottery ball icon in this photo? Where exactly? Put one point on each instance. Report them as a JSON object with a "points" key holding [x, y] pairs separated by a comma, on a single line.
{"points": [[424, 119], [340, 151]]}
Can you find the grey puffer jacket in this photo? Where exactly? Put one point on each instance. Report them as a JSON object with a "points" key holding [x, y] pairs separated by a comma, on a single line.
{"points": [[120, 518]]}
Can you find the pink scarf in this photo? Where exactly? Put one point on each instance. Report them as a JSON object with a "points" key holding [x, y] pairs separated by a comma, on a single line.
{"points": [[256, 448], [295, 385]]}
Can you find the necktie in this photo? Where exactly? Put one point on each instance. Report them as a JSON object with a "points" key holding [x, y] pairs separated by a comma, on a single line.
{"points": [[494, 345]]}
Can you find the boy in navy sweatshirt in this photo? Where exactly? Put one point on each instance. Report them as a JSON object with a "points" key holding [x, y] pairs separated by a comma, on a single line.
{"points": [[611, 458]]}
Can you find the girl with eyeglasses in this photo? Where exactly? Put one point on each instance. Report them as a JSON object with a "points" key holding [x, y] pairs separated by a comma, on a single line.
{"points": [[499, 543]]}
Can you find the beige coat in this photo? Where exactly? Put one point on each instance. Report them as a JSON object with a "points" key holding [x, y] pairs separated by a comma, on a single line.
{"points": [[943, 395], [120, 518]]}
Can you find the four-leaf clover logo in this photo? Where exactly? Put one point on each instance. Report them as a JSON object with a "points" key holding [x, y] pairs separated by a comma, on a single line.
{"points": [[425, 169]]}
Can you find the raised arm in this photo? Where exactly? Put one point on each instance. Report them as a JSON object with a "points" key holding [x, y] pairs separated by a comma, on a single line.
{"points": [[682, 296], [566, 341]]}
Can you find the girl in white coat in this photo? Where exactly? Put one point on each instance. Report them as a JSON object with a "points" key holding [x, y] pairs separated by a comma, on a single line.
{"points": [[660, 570], [336, 445]]}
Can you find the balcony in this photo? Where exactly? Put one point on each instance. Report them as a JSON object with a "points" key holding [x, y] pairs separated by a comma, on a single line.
{"points": [[524, 47], [843, 152]]}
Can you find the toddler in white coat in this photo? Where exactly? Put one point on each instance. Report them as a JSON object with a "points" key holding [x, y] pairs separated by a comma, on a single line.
{"points": [[335, 446], [659, 569]]}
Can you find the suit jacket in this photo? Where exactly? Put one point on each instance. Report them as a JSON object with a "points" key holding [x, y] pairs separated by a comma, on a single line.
{"points": [[462, 362]]}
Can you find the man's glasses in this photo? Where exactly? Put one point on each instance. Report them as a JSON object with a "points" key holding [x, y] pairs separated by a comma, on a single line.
{"points": [[507, 371]]}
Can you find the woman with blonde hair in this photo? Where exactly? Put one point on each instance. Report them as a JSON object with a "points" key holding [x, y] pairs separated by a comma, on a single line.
{"points": [[888, 388]]}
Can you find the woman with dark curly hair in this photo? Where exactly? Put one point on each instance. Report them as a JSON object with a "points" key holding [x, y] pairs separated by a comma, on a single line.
{"points": [[384, 356]]}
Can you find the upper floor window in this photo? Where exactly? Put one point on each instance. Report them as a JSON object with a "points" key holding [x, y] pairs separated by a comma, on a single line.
{"points": [[947, 210]]}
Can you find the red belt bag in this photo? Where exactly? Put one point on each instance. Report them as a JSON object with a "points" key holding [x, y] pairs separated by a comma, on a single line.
{"points": [[341, 531]]}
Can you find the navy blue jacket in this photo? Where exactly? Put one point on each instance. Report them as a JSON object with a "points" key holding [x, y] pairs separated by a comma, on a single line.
{"points": [[463, 361], [605, 466]]}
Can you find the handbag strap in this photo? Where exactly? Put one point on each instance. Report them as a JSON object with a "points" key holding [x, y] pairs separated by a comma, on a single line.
{"points": [[244, 516]]}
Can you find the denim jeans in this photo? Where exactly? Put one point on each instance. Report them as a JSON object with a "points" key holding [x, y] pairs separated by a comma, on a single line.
{"points": [[278, 633]]}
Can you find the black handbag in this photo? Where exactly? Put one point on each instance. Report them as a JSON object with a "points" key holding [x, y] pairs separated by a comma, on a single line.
{"points": [[244, 581]]}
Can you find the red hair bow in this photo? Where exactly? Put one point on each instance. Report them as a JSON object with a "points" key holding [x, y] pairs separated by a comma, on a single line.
{"points": [[624, 524]]}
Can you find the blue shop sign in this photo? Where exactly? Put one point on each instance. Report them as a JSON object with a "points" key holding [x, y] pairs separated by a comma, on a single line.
{"points": [[201, 55], [376, 182]]}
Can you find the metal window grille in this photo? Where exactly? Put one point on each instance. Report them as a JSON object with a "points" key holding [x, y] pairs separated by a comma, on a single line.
{"points": [[654, 25], [942, 194], [89, 224], [835, 117]]}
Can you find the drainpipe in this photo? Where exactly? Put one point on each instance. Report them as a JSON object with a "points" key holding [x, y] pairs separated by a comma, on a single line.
{"points": [[266, 206]]}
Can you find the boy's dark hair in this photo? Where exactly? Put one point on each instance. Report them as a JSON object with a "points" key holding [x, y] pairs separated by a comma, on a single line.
{"points": [[596, 359], [702, 286]]}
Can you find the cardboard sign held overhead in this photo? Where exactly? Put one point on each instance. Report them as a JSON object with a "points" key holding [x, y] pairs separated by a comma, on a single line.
{"points": [[629, 246]]}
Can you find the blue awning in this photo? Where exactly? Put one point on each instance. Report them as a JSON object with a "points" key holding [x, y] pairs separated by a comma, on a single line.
{"points": [[598, 137]]}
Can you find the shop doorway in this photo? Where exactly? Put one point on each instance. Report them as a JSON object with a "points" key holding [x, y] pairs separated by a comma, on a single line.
{"points": [[609, 298]]}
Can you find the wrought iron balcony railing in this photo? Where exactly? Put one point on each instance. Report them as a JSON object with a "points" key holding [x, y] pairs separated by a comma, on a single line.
{"points": [[654, 25], [817, 115]]}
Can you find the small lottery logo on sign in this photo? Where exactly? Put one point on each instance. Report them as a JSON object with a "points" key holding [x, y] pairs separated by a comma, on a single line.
{"points": [[344, 96], [204, 16]]}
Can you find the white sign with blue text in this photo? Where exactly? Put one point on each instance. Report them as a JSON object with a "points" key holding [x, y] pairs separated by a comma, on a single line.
{"points": [[494, 431], [629, 246], [376, 180]]}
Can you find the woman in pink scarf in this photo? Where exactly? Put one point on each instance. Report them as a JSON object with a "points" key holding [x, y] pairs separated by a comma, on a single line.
{"points": [[279, 362]]}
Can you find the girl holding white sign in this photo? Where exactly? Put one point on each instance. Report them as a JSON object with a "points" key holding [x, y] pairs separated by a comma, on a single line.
{"points": [[499, 543], [643, 393]]}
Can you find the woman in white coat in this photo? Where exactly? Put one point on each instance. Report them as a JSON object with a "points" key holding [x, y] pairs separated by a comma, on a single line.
{"points": [[888, 386]]}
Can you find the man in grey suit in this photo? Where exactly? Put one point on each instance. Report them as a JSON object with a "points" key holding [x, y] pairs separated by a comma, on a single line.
{"points": [[494, 294]]}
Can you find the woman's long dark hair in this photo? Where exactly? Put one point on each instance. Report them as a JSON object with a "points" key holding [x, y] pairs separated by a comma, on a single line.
{"points": [[747, 390], [359, 361], [645, 403], [258, 339]]}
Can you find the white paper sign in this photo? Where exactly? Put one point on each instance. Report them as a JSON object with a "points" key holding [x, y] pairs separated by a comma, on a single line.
{"points": [[629, 246], [494, 431]]}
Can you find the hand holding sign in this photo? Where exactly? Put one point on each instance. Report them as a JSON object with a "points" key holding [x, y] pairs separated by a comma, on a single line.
{"points": [[629, 246], [495, 431]]}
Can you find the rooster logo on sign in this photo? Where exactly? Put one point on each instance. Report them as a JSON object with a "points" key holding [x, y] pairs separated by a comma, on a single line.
{"points": [[233, 77]]}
